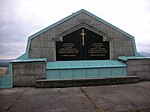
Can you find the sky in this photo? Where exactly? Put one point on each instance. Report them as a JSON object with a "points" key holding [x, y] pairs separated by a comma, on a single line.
{"points": [[21, 18]]}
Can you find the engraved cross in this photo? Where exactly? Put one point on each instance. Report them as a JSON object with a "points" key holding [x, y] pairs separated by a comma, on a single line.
{"points": [[82, 34]]}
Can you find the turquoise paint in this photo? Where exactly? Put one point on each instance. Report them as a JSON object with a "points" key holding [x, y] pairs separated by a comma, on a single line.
{"points": [[85, 73], [125, 58], [79, 73], [124, 71], [117, 71], [85, 69], [51, 65], [84, 64], [23, 56], [52, 74], [94, 64], [6, 80], [26, 54], [63, 65], [76, 64], [66, 74], [29, 60], [106, 72], [92, 73]]}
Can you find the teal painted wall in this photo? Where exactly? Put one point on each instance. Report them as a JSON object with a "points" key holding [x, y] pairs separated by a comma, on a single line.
{"points": [[6, 80], [85, 73]]}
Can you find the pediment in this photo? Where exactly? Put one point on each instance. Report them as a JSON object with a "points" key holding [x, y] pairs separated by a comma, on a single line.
{"points": [[81, 21], [85, 25], [47, 38]]}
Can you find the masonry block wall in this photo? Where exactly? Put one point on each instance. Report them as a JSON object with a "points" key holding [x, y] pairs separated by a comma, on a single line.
{"points": [[26, 73], [140, 68], [43, 46]]}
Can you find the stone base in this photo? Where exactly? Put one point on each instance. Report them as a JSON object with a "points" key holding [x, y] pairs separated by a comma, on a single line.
{"points": [[86, 82]]}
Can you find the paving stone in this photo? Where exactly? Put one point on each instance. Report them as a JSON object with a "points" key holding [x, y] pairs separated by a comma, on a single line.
{"points": [[47, 100], [121, 97], [112, 98]]}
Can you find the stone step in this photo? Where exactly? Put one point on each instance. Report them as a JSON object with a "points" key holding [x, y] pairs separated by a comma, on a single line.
{"points": [[86, 82]]}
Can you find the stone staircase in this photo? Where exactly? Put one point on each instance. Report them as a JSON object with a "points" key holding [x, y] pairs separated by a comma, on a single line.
{"points": [[86, 82]]}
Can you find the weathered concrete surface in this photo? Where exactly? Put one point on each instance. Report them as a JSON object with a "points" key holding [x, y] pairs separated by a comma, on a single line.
{"points": [[112, 98], [86, 82], [116, 98], [44, 100], [139, 67], [26, 73]]}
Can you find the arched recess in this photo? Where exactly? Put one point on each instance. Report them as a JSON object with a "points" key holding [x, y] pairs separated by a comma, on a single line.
{"points": [[82, 42]]}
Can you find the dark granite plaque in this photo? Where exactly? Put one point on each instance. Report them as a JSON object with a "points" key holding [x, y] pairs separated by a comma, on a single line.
{"points": [[70, 48], [82, 44]]}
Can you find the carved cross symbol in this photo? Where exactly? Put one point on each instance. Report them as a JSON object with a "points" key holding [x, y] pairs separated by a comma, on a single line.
{"points": [[82, 34]]}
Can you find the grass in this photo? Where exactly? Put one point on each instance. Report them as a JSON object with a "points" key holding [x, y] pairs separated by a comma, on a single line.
{"points": [[3, 71]]}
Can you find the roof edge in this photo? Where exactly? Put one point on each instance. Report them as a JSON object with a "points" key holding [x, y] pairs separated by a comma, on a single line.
{"points": [[75, 14], [56, 23], [107, 23]]}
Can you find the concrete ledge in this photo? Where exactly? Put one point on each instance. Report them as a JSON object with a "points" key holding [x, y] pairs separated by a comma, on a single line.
{"points": [[86, 82]]}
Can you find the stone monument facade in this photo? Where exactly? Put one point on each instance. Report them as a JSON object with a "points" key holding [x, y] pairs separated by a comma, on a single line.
{"points": [[44, 45], [79, 37]]}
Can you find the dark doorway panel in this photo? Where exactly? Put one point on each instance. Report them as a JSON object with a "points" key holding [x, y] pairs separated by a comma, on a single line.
{"points": [[82, 44]]}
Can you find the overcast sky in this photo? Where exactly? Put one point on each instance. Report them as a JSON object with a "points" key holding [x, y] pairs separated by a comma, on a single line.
{"points": [[21, 18]]}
